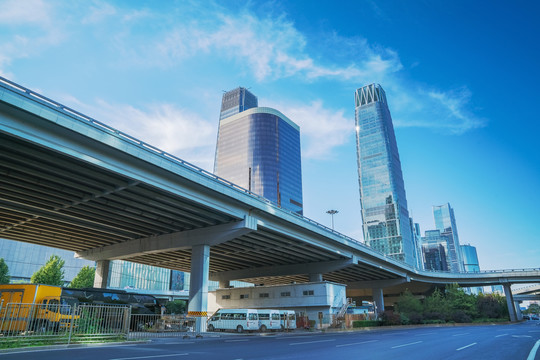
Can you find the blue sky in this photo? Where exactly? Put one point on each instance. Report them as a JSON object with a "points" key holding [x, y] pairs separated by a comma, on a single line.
{"points": [[461, 80]]}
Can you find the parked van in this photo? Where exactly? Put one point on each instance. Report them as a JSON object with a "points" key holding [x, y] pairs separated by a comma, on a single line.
{"points": [[239, 320], [287, 319], [268, 320]]}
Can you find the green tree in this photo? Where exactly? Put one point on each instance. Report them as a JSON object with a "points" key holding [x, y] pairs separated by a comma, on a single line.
{"points": [[176, 307], [463, 306], [84, 278], [436, 307], [533, 309], [52, 273], [409, 308], [4, 272]]}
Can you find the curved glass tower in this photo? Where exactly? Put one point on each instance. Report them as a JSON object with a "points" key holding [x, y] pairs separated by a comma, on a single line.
{"points": [[259, 149], [385, 216]]}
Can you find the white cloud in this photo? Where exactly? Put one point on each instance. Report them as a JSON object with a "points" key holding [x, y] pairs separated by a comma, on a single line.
{"points": [[98, 12], [321, 129], [17, 12]]}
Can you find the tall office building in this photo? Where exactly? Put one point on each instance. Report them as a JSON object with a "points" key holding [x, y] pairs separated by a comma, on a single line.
{"points": [[258, 148], [445, 222], [382, 193], [435, 248], [471, 264]]}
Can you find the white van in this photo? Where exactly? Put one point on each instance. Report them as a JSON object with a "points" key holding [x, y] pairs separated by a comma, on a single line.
{"points": [[239, 320], [287, 319], [268, 320]]}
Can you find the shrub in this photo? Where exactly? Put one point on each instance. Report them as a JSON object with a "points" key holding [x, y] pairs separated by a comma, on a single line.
{"points": [[389, 318], [460, 316], [365, 323]]}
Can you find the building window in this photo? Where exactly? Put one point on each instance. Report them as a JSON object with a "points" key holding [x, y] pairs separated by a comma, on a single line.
{"points": [[264, 295], [244, 296], [225, 297], [308, 292], [285, 293]]}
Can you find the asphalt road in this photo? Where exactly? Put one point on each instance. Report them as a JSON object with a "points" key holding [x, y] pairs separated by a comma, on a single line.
{"points": [[512, 342]]}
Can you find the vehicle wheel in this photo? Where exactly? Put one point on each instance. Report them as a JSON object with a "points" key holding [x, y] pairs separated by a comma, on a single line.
{"points": [[211, 328], [239, 329], [263, 328]]}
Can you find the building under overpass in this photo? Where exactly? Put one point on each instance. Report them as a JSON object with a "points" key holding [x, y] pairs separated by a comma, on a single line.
{"points": [[71, 182]]}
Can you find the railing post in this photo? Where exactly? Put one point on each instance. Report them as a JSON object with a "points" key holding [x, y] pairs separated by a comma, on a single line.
{"points": [[71, 322]]}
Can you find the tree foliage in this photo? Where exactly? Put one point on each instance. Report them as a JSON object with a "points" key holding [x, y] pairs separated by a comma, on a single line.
{"points": [[4, 272], [84, 278], [52, 273]]}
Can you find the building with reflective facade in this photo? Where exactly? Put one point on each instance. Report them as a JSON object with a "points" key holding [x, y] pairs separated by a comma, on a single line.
{"points": [[445, 222], [471, 264], [385, 216], [434, 248], [259, 149]]}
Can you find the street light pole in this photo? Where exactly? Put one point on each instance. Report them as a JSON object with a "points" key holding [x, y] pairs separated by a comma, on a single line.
{"points": [[332, 213]]}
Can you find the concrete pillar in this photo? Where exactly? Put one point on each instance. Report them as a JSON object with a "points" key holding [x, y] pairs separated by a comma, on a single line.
{"points": [[198, 285], [378, 299], [510, 302], [518, 310], [224, 284], [315, 278], [101, 279]]}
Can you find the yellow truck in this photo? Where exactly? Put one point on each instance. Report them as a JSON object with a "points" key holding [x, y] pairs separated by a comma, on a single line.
{"points": [[32, 307]]}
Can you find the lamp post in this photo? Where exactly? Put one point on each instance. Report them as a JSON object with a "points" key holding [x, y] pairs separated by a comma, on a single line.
{"points": [[332, 213]]}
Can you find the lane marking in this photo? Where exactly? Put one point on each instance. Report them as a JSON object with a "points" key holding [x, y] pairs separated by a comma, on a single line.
{"points": [[532, 354], [429, 333], [464, 347], [176, 343], [357, 343], [501, 335], [285, 337], [398, 346], [238, 340], [522, 336], [311, 342], [461, 334], [150, 356]]}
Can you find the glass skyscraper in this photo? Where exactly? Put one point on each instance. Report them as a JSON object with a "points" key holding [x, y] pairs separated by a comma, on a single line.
{"points": [[258, 148], [435, 248], [445, 222], [382, 193]]}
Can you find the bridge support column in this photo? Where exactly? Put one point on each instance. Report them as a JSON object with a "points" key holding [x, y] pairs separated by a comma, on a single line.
{"points": [[224, 284], [198, 285], [378, 299], [315, 278], [101, 279], [519, 315], [510, 302]]}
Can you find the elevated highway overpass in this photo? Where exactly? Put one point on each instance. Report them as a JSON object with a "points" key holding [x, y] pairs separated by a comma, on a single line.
{"points": [[71, 182]]}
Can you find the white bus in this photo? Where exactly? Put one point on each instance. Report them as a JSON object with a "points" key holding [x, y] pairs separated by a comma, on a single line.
{"points": [[268, 320], [238, 320], [287, 319]]}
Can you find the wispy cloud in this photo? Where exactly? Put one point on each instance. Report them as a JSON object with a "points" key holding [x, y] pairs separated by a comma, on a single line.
{"points": [[322, 129]]}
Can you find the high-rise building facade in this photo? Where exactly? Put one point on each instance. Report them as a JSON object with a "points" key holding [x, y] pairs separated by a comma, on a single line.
{"points": [[434, 248], [382, 192], [471, 264], [258, 148], [445, 222]]}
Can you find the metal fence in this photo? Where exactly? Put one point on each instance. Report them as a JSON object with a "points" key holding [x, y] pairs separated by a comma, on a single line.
{"points": [[41, 324], [152, 326]]}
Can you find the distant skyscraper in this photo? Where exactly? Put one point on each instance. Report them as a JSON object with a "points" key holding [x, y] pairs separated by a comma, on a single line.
{"points": [[445, 222], [470, 263], [382, 193], [258, 148], [434, 248]]}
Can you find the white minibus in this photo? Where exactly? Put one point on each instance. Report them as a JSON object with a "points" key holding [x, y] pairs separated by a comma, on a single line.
{"points": [[268, 320], [287, 319], [238, 320]]}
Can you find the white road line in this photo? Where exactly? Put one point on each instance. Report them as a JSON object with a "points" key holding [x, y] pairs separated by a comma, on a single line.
{"points": [[238, 340], [461, 334], [464, 347], [532, 354], [501, 335], [356, 343], [311, 342], [522, 336], [398, 346], [150, 356], [177, 343]]}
